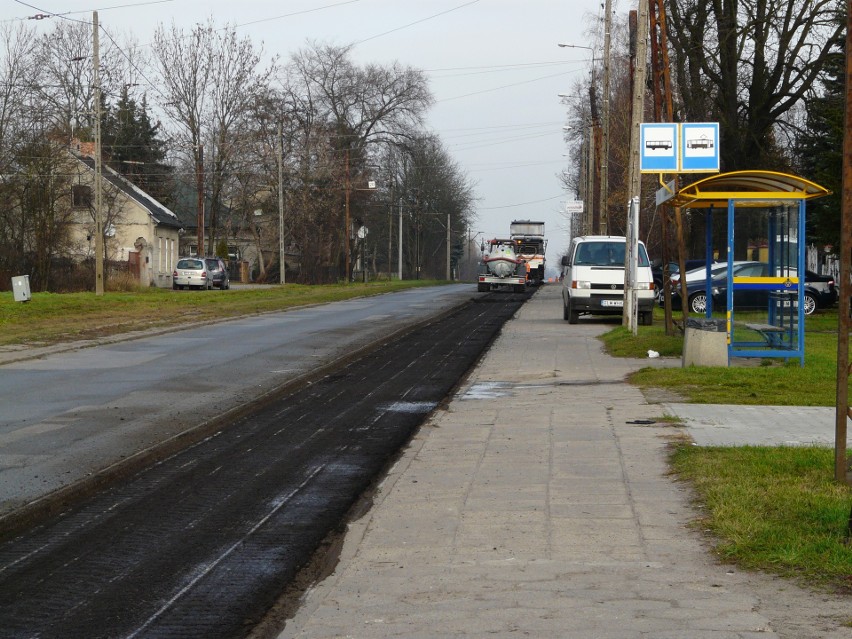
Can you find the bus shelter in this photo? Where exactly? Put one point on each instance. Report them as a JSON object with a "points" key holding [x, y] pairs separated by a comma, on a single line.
{"points": [[763, 301]]}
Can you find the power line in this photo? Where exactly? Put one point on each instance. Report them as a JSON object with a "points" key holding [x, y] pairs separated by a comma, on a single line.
{"points": [[510, 206], [411, 24]]}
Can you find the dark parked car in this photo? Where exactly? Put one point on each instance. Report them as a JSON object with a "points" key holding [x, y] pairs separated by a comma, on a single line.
{"points": [[819, 291], [657, 270], [218, 273]]}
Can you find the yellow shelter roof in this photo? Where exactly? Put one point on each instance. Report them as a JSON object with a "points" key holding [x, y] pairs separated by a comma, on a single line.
{"points": [[749, 188]]}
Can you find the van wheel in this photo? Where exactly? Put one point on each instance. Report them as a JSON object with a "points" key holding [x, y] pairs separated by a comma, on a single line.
{"points": [[573, 316]]}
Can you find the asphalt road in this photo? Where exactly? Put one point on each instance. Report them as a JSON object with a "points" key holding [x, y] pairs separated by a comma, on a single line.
{"points": [[206, 541], [66, 417]]}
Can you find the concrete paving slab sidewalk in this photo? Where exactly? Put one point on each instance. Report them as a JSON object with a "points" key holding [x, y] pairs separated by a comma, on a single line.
{"points": [[538, 504], [731, 425]]}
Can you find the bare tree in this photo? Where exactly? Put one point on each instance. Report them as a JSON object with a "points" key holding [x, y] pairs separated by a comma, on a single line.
{"points": [[342, 115], [747, 63], [210, 79]]}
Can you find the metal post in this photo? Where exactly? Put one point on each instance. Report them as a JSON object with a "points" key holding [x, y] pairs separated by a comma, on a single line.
{"points": [[99, 221]]}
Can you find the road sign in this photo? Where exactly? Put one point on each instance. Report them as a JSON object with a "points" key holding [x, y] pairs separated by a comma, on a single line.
{"points": [[658, 147], [665, 193], [574, 206], [699, 147]]}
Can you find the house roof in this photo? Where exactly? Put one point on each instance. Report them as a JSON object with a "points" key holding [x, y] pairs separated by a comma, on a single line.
{"points": [[749, 188], [162, 215]]}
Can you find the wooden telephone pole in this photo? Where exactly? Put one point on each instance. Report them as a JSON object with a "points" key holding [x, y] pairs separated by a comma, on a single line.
{"points": [[664, 112], [842, 413]]}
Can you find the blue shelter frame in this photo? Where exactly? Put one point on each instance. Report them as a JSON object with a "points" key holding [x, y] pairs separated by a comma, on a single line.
{"points": [[781, 198]]}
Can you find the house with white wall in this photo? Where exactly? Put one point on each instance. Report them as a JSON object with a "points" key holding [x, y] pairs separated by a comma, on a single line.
{"points": [[138, 229]]}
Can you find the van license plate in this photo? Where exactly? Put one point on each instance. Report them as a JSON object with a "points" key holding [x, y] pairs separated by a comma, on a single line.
{"points": [[618, 303]]}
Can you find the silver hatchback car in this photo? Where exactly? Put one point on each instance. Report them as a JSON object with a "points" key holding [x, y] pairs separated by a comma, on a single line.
{"points": [[191, 272]]}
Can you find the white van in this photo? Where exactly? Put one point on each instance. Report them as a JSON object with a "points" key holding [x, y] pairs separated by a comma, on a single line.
{"points": [[593, 279]]}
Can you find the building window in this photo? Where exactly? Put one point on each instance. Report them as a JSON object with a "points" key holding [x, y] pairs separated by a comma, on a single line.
{"points": [[81, 196]]}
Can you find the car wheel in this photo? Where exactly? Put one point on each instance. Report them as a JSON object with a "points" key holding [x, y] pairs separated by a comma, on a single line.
{"points": [[810, 304], [174, 286], [698, 303]]}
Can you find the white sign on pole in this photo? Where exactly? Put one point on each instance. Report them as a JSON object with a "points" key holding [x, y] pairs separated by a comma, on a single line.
{"points": [[574, 206]]}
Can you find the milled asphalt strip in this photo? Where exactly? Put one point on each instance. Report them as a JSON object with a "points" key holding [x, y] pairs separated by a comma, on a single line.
{"points": [[536, 509]]}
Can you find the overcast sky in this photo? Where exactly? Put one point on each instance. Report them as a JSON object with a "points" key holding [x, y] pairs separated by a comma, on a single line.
{"points": [[494, 66]]}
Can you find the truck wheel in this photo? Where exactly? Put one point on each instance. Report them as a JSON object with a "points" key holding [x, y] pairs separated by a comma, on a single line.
{"points": [[647, 319], [518, 288], [482, 288]]}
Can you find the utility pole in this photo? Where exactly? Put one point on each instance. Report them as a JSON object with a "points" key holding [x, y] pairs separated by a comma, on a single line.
{"points": [[399, 257], [449, 274], [635, 177], [604, 204], [346, 222], [842, 413], [99, 220], [199, 185], [280, 147]]}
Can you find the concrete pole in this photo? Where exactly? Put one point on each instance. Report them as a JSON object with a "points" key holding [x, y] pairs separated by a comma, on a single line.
{"points": [[635, 177], [449, 240], [605, 150], [282, 264], [99, 220], [346, 221], [399, 256]]}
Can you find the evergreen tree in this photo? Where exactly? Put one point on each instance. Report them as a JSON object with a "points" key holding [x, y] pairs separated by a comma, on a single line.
{"points": [[131, 147], [821, 150]]}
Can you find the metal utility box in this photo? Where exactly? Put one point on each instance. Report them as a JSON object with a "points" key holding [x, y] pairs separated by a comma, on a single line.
{"points": [[21, 287]]}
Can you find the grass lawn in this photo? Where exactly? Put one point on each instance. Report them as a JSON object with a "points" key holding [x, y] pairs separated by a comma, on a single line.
{"points": [[776, 509], [50, 318], [768, 381]]}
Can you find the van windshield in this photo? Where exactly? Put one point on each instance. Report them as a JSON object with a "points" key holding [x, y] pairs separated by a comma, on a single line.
{"points": [[606, 254]]}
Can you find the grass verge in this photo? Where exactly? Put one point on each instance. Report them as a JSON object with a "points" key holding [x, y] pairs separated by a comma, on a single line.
{"points": [[774, 508], [51, 318], [769, 381]]}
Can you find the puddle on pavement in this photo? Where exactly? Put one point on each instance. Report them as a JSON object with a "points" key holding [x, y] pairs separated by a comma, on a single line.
{"points": [[409, 407], [488, 390]]}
